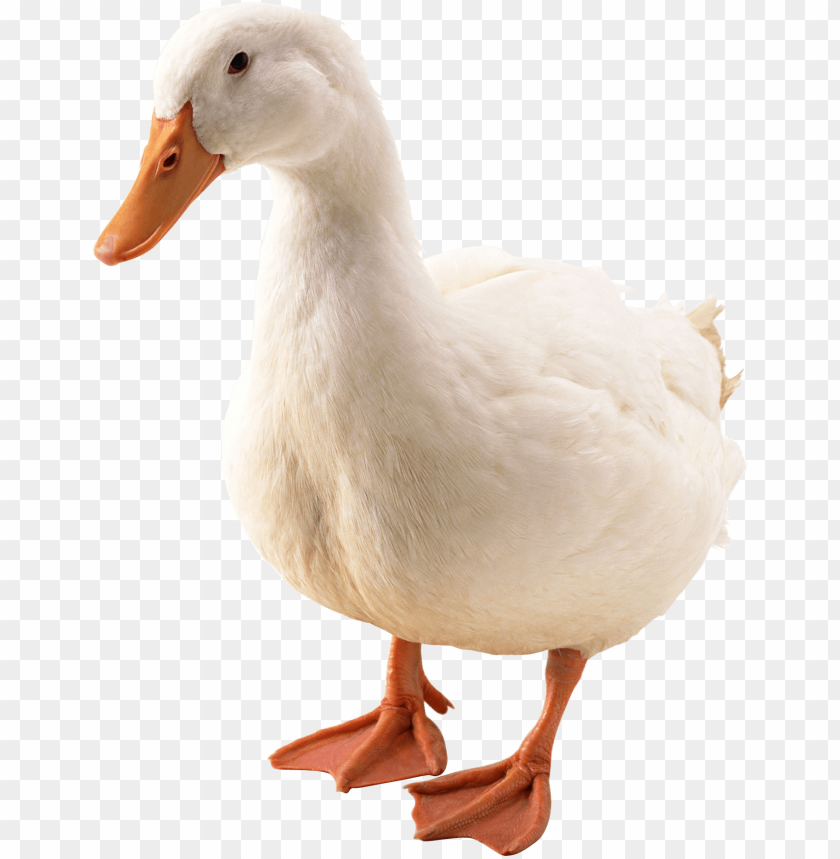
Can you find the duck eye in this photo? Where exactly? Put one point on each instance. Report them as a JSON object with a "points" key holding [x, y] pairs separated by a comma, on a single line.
{"points": [[238, 64]]}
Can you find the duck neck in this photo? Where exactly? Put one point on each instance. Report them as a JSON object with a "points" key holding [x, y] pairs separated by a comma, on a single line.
{"points": [[340, 271]]}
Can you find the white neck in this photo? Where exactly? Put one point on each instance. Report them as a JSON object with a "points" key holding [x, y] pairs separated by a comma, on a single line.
{"points": [[341, 289]]}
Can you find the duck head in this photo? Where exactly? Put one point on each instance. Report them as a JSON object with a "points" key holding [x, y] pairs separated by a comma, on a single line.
{"points": [[235, 85]]}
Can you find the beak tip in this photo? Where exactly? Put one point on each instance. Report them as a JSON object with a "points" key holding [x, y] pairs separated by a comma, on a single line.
{"points": [[104, 250]]}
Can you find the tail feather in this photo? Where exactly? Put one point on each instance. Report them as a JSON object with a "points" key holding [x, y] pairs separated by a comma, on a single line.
{"points": [[703, 319]]}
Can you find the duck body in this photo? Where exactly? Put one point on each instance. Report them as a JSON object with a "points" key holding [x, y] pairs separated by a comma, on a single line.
{"points": [[479, 451], [484, 452]]}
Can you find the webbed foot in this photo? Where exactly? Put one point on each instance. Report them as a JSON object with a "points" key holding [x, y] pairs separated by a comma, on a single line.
{"points": [[395, 741], [506, 805]]}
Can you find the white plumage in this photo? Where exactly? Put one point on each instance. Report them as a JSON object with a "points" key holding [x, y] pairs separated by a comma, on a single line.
{"points": [[480, 451]]}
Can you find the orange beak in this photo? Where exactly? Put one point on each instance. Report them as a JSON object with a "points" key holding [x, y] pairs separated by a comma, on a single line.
{"points": [[175, 169]]}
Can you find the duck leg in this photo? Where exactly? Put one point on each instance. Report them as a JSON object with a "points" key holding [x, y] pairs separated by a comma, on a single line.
{"points": [[395, 741], [505, 805]]}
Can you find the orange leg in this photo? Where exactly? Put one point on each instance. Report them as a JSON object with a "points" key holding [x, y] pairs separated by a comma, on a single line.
{"points": [[395, 741], [505, 805]]}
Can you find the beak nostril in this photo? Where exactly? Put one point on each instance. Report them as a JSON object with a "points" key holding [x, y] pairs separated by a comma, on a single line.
{"points": [[169, 162]]}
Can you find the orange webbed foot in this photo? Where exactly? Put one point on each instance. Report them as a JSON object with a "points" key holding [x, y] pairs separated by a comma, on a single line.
{"points": [[395, 741], [505, 806], [387, 744]]}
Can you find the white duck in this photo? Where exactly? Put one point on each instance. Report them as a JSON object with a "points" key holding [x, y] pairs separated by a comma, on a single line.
{"points": [[478, 451]]}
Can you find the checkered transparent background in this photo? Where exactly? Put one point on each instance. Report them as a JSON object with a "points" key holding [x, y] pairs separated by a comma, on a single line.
{"points": [[150, 661]]}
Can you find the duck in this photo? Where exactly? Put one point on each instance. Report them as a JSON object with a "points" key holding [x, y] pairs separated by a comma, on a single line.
{"points": [[474, 450]]}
